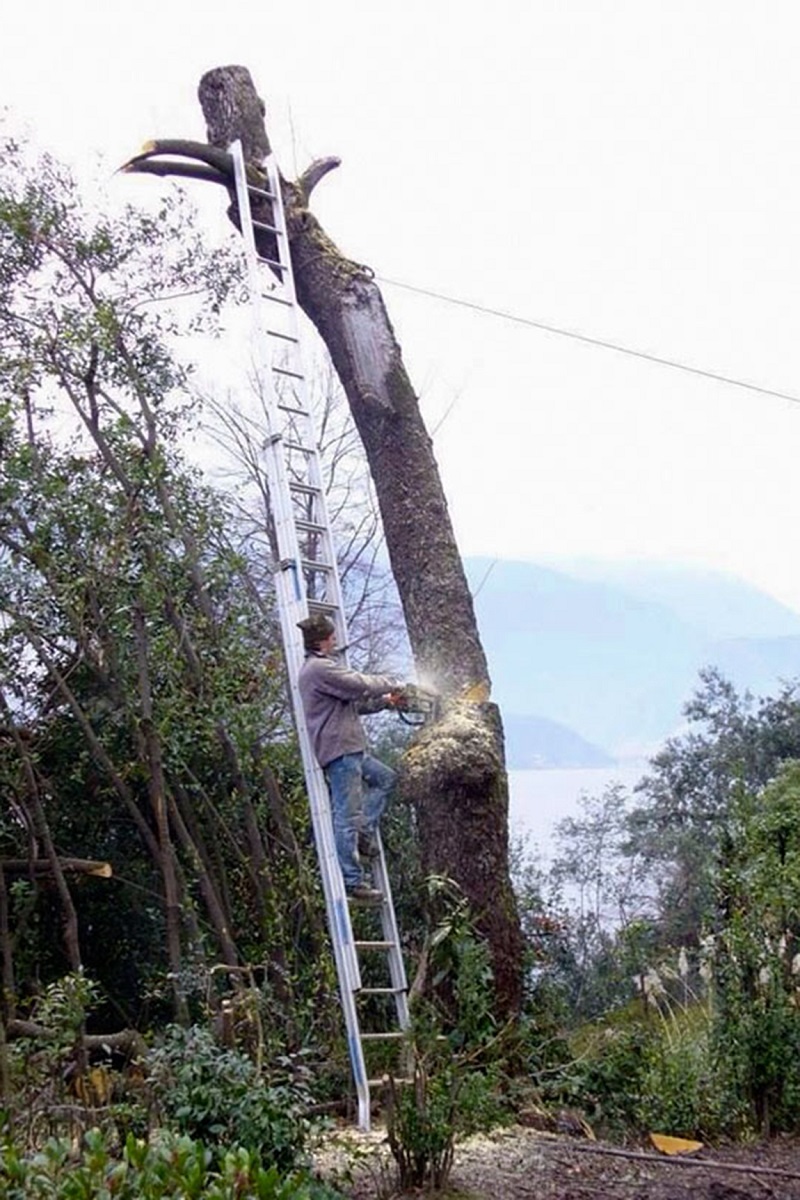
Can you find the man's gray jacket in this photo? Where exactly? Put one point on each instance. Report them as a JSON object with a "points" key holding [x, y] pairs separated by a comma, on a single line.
{"points": [[331, 693]]}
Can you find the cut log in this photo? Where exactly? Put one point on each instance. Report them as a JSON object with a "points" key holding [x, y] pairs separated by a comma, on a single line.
{"points": [[42, 867]]}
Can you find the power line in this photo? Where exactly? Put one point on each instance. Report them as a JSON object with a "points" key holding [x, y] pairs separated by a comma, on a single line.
{"points": [[591, 341]]}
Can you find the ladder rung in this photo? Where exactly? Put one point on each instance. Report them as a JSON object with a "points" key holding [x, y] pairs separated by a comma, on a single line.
{"points": [[310, 527], [373, 1083], [299, 446], [309, 564], [269, 228], [283, 370], [259, 191], [272, 262], [373, 945], [306, 488], [324, 606], [391, 1035], [382, 991], [298, 412], [277, 300], [285, 337]]}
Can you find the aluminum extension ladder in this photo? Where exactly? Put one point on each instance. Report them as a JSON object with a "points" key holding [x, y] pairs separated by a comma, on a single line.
{"points": [[306, 582]]}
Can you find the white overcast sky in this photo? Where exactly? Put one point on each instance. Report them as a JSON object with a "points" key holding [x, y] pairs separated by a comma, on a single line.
{"points": [[627, 170]]}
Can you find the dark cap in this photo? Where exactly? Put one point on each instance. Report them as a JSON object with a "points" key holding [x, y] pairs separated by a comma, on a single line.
{"points": [[315, 630]]}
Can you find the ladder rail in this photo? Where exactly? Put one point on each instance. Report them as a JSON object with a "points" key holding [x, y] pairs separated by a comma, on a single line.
{"points": [[290, 594], [293, 436]]}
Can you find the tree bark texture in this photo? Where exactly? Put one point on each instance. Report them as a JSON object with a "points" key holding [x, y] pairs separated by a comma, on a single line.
{"points": [[150, 752], [456, 771]]}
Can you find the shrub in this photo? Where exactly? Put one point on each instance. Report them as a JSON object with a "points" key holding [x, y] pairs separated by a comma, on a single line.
{"points": [[220, 1097], [454, 1051], [170, 1165], [653, 1067], [606, 1081]]}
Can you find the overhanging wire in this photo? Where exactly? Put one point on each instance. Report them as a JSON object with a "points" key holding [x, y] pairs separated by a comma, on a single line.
{"points": [[591, 341]]}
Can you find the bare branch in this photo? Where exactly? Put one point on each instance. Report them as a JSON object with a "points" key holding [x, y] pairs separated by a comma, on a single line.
{"points": [[315, 172]]}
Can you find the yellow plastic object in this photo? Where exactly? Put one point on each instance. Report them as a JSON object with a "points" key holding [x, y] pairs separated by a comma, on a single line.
{"points": [[674, 1145]]}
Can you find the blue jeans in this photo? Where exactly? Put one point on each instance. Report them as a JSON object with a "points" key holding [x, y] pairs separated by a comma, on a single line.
{"points": [[359, 788]]}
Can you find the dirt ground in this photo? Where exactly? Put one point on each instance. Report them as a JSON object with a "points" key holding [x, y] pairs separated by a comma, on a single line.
{"points": [[519, 1163]]}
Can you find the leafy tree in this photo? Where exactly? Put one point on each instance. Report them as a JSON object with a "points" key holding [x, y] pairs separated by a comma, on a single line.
{"points": [[588, 917], [637, 876], [139, 678], [755, 955], [733, 743]]}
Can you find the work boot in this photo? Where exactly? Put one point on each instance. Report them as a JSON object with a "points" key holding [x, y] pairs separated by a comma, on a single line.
{"points": [[368, 846], [364, 894]]}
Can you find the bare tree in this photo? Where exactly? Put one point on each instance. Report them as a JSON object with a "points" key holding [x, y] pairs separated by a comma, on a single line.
{"points": [[375, 627]]}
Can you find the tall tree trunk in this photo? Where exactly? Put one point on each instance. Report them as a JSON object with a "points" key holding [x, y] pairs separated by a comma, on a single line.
{"points": [[457, 772], [459, 777]]}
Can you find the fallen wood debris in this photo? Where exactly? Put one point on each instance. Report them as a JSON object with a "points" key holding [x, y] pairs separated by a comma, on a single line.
{"points": [[710, 1164], [43, 866]]}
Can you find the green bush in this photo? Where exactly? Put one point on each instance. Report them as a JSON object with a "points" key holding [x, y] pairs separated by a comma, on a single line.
{"points": [[754, 960], [650, 1069], [170, 1165], [454, 1051], [607, 1079], [682, 1094], [421, 1120], [219, 1097]]}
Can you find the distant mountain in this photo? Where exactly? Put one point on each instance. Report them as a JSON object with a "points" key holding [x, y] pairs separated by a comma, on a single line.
{"points": [[719, 605], [613, 667], [536, 742]]}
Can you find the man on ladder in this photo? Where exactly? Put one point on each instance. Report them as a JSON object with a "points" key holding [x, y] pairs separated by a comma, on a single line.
{"points": [[359, 784]]}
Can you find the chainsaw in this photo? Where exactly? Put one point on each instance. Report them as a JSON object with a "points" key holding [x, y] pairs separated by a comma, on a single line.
{"points": [[415, 705]]}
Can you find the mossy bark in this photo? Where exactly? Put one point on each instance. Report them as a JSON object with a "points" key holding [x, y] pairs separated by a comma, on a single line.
{"points": [[456, 772]]}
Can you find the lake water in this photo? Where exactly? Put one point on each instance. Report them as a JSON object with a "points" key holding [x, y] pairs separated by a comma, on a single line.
{"points": [[540, 799]]}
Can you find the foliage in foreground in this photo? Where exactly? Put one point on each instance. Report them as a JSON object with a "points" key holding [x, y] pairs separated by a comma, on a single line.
{"points": [[187, 1082], [170, 1164], [221, 1125], [219, 1096]]}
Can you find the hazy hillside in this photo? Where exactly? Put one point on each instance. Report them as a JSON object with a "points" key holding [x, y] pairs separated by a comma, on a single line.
{"points": [[614, 667], [717, 604], [536, 742]]}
